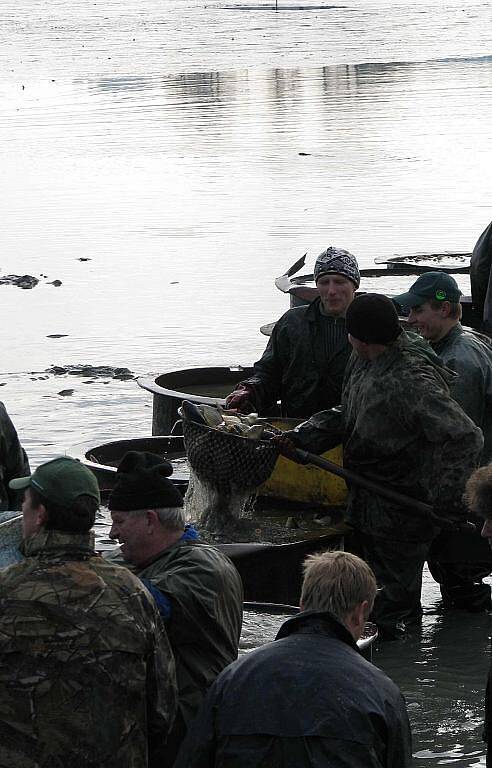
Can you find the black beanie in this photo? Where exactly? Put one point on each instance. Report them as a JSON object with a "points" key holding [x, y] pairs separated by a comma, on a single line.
{"points": [[372, 318], [141, 483]]}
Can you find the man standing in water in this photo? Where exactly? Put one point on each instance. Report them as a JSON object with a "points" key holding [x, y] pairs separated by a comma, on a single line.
{"points": [[197, 589], [400, 428], [308, 699], [304, 362], [87, 676], [433, 303]]}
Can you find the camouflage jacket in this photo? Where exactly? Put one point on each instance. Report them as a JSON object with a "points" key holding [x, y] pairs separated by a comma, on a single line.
{"points": [[471, 359], [86, 673], [303, 364], [13, 462], [401, 428]]}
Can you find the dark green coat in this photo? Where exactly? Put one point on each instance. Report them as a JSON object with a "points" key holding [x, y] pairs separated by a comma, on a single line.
{"points": [[471, 359], [481, 278], [13, 462], [206, 595], [399, 427], [87, 677], [303, 364]]}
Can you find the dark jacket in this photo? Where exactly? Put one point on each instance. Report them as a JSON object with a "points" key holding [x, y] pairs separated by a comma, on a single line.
{"points": [[303, 364], [206, 596], [481, 278], [471, 359], [401, 428], [86, 672], [307, 699], [13, 462]]}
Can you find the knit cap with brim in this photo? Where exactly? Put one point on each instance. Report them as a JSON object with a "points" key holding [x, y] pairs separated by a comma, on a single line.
{"points": [[142, 483], [372, 318], [337, 261]]}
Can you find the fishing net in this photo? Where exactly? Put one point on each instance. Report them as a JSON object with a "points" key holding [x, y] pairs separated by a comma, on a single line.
{"points": [[228, 462]]}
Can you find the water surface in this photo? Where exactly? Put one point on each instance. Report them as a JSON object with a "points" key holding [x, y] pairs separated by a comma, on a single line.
{"points": [[167, 161]]}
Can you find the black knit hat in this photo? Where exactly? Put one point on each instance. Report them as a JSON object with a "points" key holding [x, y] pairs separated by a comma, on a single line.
{"points": [[141, 483], [372, 318]]}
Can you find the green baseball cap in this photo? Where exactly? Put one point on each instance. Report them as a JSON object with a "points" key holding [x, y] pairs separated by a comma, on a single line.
{"points": [[60, 481], [431, 285]]}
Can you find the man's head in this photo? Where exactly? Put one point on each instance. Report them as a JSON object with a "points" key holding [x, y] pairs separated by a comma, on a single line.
{"points": [[372, 324], [478, 497], [341, 583], [146, 508], [61, 494], [337, 277], [433, 304]]}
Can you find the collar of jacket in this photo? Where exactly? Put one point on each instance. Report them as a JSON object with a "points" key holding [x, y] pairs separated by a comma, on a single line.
{"points": [[456, 330], [314, 314], [318, 622], [52, 543], [189, 538]]}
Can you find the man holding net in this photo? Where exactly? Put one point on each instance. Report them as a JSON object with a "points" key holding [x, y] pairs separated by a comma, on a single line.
{"points": [[400, 428]]}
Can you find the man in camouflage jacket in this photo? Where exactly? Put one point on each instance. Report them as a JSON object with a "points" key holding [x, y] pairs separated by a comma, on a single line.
{"points": [[400, 428], [86, 673]]}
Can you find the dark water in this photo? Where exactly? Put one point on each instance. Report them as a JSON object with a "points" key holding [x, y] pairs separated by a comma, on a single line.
{"points": [[189, 152]]}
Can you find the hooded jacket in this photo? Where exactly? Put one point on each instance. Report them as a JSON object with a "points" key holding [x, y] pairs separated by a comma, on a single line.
{"points": [[308, 699]]}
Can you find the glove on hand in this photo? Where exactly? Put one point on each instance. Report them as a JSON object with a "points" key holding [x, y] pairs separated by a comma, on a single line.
{"points": [[285, 446], [242, 399]]}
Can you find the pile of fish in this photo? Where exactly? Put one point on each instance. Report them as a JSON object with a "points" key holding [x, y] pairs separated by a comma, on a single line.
{"points": [[235, 423]]}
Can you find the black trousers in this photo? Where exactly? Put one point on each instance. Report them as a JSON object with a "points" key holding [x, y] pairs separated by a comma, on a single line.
{"points": [[398, 567]]}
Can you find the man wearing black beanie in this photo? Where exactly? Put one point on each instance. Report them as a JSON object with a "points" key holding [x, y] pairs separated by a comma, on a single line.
{"points": [[400, 428], [197, 588]]}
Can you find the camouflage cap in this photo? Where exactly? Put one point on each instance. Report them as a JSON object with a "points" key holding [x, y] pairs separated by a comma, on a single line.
{"points": [[61, 481], [431, 285]]}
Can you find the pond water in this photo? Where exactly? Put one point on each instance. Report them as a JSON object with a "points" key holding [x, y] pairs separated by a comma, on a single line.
{"points": [[166, 161]]}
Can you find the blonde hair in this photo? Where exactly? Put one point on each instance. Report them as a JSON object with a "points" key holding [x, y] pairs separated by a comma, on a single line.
{"points": [[337, 582], [478, 492]]}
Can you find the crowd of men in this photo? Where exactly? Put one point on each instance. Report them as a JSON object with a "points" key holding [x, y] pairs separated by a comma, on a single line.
{"points": [[130, 659]]}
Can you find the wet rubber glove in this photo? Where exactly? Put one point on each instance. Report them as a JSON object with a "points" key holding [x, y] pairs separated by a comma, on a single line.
{"points": [[242, 399]]}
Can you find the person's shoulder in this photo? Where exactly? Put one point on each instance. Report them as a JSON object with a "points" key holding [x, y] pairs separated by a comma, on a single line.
{"points": [[199, 552], [294, 315], [119, 578], [13, 574], [472, 346]]}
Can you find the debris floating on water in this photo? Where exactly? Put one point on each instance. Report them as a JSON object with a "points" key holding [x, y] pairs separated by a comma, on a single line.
{"points": [[21, 281], [91, 371]]}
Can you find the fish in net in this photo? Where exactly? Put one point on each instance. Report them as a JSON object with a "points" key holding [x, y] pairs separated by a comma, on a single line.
{"points": [[226, 469]]}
